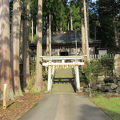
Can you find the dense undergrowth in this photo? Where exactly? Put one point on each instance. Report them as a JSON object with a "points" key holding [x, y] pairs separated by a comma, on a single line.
{"points": [[31, 86], [95, 68]]}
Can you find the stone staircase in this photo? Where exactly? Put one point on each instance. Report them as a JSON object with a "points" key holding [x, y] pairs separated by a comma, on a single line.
{"points": [[63, 82]]}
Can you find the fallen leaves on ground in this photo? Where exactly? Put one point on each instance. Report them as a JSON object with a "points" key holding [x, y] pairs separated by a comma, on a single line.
{"points": [[18, 107]]}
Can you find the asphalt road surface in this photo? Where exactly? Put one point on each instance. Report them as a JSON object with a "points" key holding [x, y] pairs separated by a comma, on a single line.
{"points": [[65, 107]]}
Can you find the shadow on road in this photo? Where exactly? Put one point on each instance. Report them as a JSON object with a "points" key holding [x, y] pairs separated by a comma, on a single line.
{"points": [[65, 80], [93, 113]]}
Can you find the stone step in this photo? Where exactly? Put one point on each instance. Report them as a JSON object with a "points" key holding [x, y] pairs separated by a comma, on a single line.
{"points": [[62, 81]]}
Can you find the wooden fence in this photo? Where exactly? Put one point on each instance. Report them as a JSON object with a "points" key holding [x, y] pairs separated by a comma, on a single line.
{"points": [[97, 56]]}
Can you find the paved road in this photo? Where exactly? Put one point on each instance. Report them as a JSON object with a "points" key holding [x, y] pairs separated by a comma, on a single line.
{"points": [[65, 107]]}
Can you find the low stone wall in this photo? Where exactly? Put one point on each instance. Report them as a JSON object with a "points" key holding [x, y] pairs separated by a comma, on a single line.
{"points": [[106, 84]]}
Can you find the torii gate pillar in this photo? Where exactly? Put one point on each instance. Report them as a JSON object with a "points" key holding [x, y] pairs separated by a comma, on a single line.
{"points": [[77, 78], [49, 78]]}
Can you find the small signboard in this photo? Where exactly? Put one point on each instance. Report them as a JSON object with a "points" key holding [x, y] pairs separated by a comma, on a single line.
{"points": [[102, 52]]}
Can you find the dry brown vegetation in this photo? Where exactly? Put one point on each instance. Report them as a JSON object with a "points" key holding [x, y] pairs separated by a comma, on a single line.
{"points": [[18, 107]]}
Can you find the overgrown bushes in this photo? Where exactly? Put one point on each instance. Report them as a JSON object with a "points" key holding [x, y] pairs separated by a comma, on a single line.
{"points": [[95, 68], [31, 86]]}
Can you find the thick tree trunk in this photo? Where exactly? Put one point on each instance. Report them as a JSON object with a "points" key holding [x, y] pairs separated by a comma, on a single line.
{"points": [[21, 53], [21, 40], [61, 29], [71, 19], [39, 79], [71, 23], [83, 30], [50, 23], [87, 2], [86, 30], [16, 47], [32, 30], [5, 65], [48, 38], [116, 34], [26, 63], [95, 32], [68, 26]]}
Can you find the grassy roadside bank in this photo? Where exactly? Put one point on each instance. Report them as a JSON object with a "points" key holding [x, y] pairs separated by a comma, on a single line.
{"points": [[110, 105]]}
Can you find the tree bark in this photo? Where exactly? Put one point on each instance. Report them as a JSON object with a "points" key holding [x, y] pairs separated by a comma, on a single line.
{"points": [[39, 79], [48, 38], [50, 22], [95, 31], [71, 22], [21, 40], [87, 2], [71, 19], [16, 47], [32, 30], [26, 62], [5, 65], [86, 30], [116, 34], [68, 26], [83, 30]]}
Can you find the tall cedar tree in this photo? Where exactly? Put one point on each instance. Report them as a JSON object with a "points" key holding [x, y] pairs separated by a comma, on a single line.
{"points": [[39, 79], [16, 47], [26, 61], [5, 53]]}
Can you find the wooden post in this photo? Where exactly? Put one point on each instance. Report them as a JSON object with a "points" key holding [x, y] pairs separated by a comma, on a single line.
{"points": [[49, 78], [77, 78], [5, 97]]}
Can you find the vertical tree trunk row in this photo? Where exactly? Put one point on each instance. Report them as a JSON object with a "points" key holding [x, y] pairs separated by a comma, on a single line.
{"points": [[83, 30], [5, 65], [86, 29], [48, 37], [32, 30], [71, 19], [116, 34], [26, 67], [39, 79], [50, 22], [16, 45]]}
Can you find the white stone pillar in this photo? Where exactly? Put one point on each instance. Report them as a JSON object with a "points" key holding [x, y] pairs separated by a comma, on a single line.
{"points": [[49, 78], [77, 78], [53, 72]]}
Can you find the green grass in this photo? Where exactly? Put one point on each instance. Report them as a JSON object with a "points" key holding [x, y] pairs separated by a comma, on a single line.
{"points": [[111, 106]]}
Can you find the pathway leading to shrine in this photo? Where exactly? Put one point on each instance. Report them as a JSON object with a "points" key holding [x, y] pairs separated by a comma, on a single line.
{"points": [[65, 107], [63, 81], [64, 104]]}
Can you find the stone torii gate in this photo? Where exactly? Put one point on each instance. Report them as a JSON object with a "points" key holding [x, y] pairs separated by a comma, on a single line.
{"points": [[65, 62]]}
